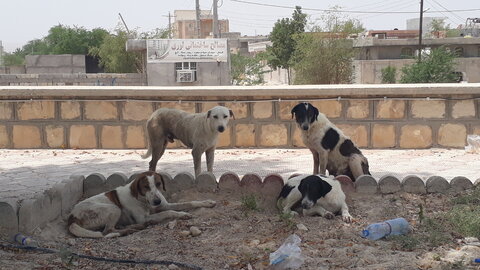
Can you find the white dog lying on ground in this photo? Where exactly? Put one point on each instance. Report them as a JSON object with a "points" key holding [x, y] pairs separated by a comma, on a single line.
{"points": [[127, 209], [316, 194], [197, 131]]}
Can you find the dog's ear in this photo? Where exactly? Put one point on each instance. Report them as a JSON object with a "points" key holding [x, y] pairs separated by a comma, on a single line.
{"points": [[158, 177], [315, 112], [231, 114], [295, 109]]}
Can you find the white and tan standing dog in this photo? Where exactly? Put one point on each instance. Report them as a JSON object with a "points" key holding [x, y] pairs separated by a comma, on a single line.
{"points": [[197, 131], [127, 209], [331, 149], [316, 194]]}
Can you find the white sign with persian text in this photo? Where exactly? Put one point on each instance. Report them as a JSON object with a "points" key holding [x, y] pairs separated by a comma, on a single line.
{"points": [[186, 50]]}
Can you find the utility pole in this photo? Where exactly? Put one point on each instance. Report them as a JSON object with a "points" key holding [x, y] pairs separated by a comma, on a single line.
{"points": [[420, 32], [128, 31], [197, 21], [169, 24], [215, 19]]}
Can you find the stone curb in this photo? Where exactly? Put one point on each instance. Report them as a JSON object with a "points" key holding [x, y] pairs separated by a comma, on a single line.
{"points": [[27, 215]]}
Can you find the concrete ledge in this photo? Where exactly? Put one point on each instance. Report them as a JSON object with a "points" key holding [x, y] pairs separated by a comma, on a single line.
{"points": [[239, 92], [27, 215]]}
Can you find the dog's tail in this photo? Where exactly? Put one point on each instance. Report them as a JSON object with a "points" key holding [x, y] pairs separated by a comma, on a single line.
{"points": [[149, 151], [79, 231]]}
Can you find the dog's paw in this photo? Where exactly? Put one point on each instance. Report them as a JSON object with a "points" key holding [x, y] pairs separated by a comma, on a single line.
{"points": [[111, 235], [347, 218], [207, 203], [184, 215], [329, 215]]}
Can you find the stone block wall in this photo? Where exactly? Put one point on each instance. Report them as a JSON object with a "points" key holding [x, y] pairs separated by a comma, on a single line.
{"points": [[82, 78], [112, 122]]}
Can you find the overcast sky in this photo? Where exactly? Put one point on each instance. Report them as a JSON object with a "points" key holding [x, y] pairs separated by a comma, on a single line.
{"points": [[24, 20]]}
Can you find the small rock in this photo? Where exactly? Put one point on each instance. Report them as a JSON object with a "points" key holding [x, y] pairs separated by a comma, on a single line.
{"points": [[185, 233], [172, 224], [173, 267], [302, 227], [255, 242], [195, 231], [71, 242]]}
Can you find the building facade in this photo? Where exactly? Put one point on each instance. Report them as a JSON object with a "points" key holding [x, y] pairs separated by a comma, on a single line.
{"points": [[374, 54], [184, 26]]}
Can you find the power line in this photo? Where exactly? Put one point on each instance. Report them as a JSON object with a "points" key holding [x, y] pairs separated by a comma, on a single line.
{"points": [[455, 15], [347, 11]]}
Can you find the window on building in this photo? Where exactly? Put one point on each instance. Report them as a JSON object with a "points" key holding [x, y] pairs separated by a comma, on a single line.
{"points": [[186, 71], [458, 51], [406, 53]]}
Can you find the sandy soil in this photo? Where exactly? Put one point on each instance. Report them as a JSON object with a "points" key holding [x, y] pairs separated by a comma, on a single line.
{"points": [[234, 237]]}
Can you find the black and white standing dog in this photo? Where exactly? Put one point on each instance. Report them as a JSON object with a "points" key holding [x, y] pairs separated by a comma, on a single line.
{"points": [[332, 150], [317, 195]]}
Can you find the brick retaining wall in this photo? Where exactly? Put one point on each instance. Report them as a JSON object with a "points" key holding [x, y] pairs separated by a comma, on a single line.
{"points": [[18, 215], [374, 116]]}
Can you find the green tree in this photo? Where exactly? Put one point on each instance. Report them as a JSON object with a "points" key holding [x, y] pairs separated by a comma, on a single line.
{"points": [[325, 57], [247, 70], [113, 55], [437, 66], [283, 42], [389, 74]]}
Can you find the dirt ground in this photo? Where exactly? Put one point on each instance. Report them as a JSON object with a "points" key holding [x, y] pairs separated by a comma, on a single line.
{"points": [[236, 237]]}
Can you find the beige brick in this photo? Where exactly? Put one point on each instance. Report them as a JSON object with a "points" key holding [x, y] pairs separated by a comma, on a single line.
{"points": [[208, 105], [111, 137], [82, 136], [262, 110], [224, 138], [358, 109], [297, 140], [415, 136], [135, 137], [390, 109], [452, 135], [383, 136], [476, 130], [331, 108], [357, 133], [55, 136], [428, 109], [463, 109], [136, 110], [36, 110], [4, 139], [245, 135], [239, 109], [184, 106], [6, 111], [100, 110], [273, 135], [285, 109], [70, 110], [26, 137]]}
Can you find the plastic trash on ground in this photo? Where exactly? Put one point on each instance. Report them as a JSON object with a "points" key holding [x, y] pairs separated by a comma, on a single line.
{"points": [[397, 226], [288, 255], [473, 142]]}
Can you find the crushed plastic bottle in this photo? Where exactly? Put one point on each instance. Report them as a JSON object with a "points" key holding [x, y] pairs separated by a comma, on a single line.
{"points": [[288, 255], [25, 240], [377, 231], [473, 142]]}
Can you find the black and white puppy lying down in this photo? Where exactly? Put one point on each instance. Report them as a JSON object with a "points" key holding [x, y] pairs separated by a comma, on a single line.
{"points": [[316, 194], [331, 149]]}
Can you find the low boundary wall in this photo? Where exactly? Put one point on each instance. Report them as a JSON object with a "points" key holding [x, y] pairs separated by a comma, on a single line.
{"points": [[374, 116], [29, 214]]}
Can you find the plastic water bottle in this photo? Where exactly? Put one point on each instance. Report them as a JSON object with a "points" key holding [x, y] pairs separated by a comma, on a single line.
{"points": [[25, 240], [396, 226]]}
